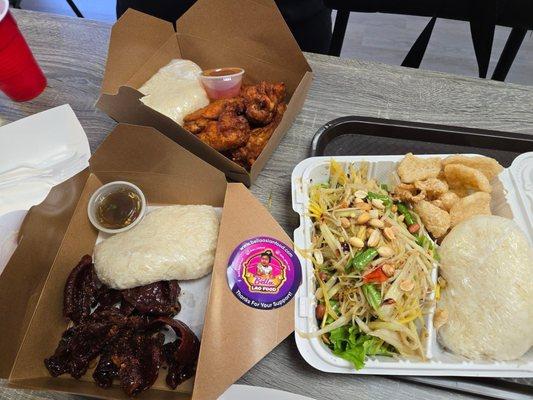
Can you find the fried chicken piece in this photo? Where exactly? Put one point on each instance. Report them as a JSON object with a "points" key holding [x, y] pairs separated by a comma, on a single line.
{"points": [[198, 125], [261, 101], [221, 124], [230, 132], [247, 154], [213, 110]]}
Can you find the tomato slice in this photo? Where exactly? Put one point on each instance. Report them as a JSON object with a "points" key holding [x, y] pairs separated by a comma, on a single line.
{"points": [[376, 276]]}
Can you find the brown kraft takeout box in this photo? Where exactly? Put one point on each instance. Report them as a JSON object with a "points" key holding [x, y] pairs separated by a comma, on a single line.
{"points": [[57, 232], [213, 33]]}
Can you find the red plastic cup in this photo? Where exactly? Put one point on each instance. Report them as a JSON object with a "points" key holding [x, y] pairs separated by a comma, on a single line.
{"points": [[21, 78]]}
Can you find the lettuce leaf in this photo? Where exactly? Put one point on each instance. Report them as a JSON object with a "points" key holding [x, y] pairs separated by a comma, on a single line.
{"points": [[349, 343]]}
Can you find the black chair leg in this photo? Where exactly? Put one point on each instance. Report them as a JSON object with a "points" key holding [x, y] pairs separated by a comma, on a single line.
{"points": [[75, 8], [512, 45], [417, 51], [339, 30]]}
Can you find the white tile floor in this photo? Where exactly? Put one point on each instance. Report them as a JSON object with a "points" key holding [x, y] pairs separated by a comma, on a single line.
{"points": [[378, 37]]}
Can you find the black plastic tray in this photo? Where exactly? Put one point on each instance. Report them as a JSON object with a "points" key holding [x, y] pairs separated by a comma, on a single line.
{"points": [[374, 136]]}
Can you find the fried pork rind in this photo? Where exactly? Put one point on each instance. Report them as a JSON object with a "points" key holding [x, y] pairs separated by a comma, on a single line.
{"points": [[448, 199], [433, 187], [461, 176], [460, 192], [488, 166], [436, 220], [413, 168], [475, 204], [408, 192], [438, 203]]}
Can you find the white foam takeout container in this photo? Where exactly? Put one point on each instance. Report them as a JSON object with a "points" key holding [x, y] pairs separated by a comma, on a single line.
{"points": [[515, 196]]}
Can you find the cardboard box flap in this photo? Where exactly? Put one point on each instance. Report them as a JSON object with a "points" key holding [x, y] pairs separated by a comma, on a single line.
{"points": [[231, 328], [133, 40], [136, 149], [22, 281], [129, 109], [254, 27]]}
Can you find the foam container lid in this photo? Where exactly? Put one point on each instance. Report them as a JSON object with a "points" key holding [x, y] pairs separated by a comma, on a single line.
{"points": [[516, 197]]}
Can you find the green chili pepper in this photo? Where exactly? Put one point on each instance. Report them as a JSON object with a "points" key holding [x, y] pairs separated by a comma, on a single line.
{"points": [[409, 220], [384, 187], [372, 295], [361, 260], [384, 198]]}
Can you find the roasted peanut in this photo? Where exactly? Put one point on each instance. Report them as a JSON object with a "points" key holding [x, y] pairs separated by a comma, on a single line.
{"points": [[358, 201], [376, 223], [363, 206], [414, 228], [320, 311], [389, 233], [356, 242], [385, 251], [388, 269], [345, 222], [373, 214], [363, 218], [377, 203], [360, 194], [374, 238]]}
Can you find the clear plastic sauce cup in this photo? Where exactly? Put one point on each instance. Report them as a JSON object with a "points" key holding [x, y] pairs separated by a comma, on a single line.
{"points": [[222, 83]]}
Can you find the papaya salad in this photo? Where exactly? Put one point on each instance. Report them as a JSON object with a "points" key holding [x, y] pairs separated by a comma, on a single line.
{"points": [[372, 260]]}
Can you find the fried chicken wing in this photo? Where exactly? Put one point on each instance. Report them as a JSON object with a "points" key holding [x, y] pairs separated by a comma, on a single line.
{"points": [[225, 124], [213, 110], [221, 124], [261, 101], [247, 154]]}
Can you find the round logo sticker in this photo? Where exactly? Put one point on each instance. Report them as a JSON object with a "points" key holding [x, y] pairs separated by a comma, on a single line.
{"points": [[264, 273]]}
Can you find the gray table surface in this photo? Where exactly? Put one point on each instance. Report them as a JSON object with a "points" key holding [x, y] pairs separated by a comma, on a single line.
{"points": [[72, 53]]}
